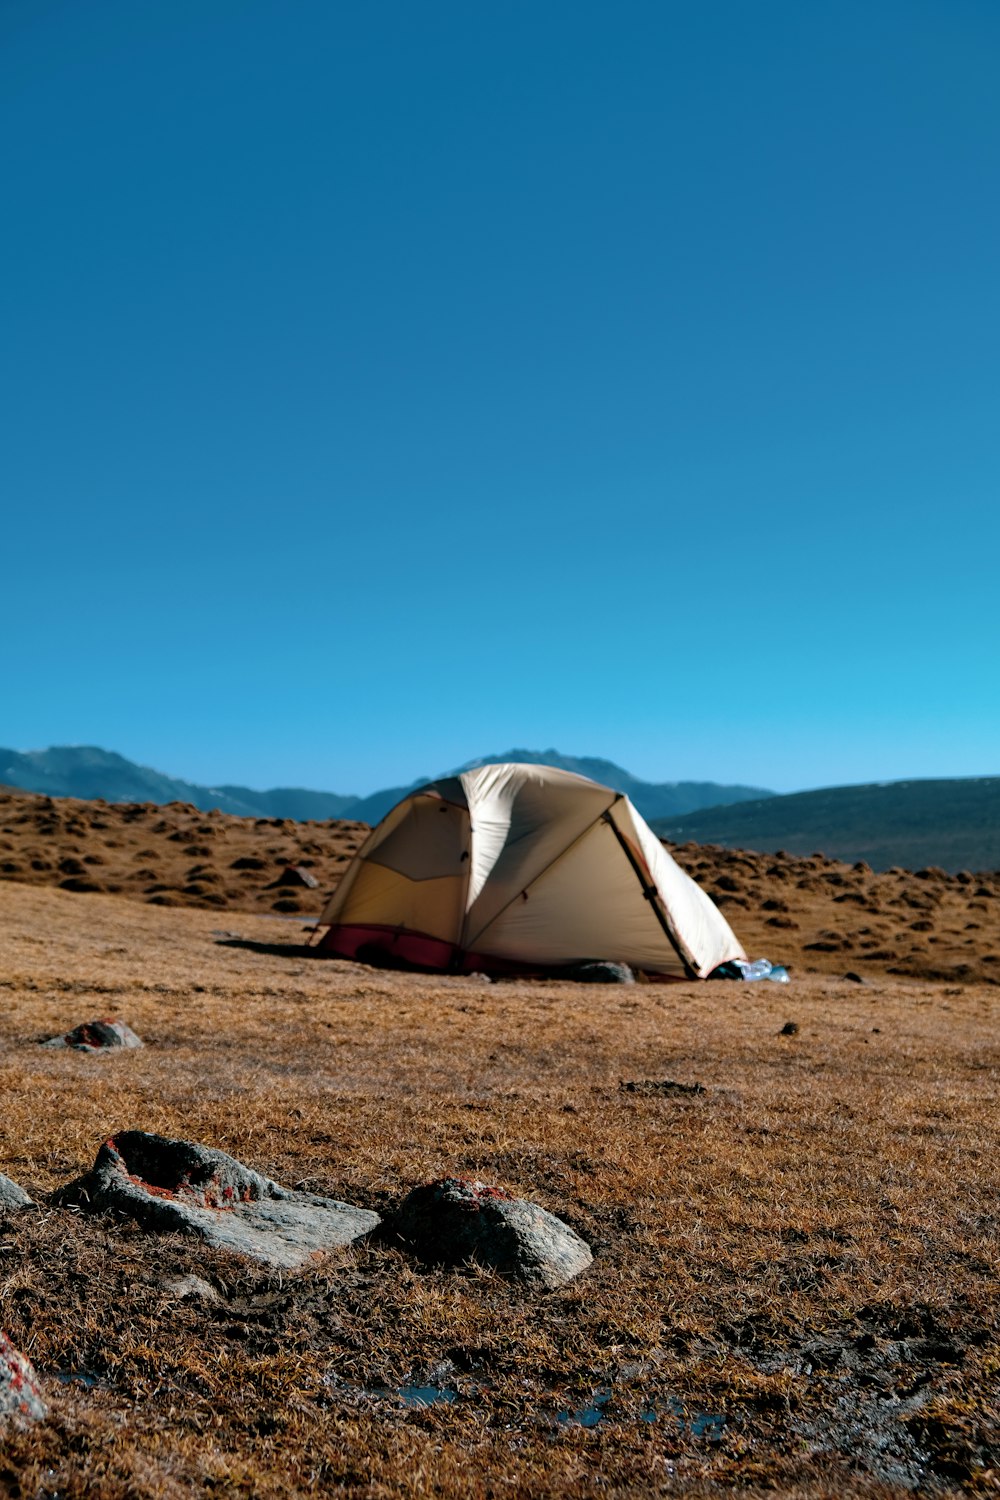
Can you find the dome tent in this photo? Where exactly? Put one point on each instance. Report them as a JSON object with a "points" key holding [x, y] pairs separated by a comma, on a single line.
{"points": [[514, 867]]}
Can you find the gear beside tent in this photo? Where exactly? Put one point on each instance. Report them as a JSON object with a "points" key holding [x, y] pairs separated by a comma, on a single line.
{"points": [[522, 868]]}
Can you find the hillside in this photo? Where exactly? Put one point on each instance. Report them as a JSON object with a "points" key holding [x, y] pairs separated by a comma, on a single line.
{"points": [[810, 912], [953, 824], [88, 771]]}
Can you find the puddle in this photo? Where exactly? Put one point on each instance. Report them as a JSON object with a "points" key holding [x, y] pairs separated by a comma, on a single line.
{"points": [[89, 1379], [423, 1395], [706, 1425], [597, 1408], [416, 1397], [590, 1414]]}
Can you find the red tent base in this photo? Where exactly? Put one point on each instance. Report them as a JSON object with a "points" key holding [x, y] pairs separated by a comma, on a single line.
{"points": [[398, 948]]}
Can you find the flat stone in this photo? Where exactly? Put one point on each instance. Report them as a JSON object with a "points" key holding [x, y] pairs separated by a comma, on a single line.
{"points": [[12, 1196], [20, 1395], [95, 1036], [170, 1185], [190, 1288], [457, 1219]]}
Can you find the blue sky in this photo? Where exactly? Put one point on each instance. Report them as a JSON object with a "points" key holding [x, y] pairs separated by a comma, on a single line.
{"points": [[388, 385]]}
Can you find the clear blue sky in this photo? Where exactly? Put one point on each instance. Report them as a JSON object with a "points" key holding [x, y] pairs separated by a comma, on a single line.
{"points": [[388, 384]]}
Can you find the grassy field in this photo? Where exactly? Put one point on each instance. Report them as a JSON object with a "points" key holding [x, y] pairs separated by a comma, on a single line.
{"points": [[794, 1284]]}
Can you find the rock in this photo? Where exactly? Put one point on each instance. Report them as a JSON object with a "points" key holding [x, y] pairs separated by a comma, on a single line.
{"points": [[176, 1185], [191, 1287], [456, 1219], [790, 1028], [854, 978], [295, 875], [12, 1196], [598, 971], [95, 1036], [20, 1394]]}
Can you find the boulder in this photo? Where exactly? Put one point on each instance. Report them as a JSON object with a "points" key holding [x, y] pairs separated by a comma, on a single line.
{"points": [[456, 1219], [170, 1185], [20, 1395], [12, 1196], [95, 1036]]}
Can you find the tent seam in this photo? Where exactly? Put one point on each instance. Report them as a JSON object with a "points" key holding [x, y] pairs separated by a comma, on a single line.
{"points": [[468, 941]]}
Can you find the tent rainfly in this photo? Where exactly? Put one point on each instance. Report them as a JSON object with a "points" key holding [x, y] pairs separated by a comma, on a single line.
{"points": [[511, 867]]}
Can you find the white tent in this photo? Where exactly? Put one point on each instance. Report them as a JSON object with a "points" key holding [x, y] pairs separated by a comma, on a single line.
{"points": [[521, 866]]}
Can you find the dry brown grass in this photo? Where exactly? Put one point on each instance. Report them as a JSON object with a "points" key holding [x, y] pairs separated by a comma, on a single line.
{"points": [[818, 914], [807, 1250]]}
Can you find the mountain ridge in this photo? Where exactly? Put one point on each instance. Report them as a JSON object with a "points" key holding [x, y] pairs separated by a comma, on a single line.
{"points": [[89, 772], [952, 823]]}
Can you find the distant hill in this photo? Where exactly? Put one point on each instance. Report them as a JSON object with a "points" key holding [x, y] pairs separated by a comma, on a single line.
{"points": [[952, 824], [86, 771], [653, 799]]}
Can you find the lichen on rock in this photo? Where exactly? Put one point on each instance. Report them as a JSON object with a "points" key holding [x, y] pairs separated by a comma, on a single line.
{"points": [[179, 1185], [20, 1395], [97, 1036]]}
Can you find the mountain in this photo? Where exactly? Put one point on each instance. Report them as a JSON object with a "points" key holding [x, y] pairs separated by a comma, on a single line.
{"points": [[653, 799], [88, 772], [954, 824]]}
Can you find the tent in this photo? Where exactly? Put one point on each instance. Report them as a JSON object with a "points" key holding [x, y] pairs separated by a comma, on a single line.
{"points": [[510, 868]]}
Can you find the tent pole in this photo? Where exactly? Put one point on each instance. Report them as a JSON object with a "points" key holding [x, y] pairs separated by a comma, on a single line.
{"points": [[649, 891]]}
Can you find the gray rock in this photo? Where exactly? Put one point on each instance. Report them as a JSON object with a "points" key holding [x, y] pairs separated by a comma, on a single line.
{"points": [[20, 1396], [456, 1219], [12, 1196], [598, 971], [190, 1288], [176, 1185], [95, 1036]]}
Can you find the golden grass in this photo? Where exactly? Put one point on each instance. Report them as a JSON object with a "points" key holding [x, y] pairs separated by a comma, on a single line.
{"points": [[790, 1251], [818, 914]]}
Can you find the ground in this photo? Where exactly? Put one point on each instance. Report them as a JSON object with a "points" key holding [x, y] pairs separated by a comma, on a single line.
{"points": [[794, 1283]]}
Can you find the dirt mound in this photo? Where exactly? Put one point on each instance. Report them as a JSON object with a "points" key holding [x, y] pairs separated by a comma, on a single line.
{"points": [[173, 855]]}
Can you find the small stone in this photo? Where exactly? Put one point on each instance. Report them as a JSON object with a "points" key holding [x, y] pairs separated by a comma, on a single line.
{"points": [[12, 1196], [95, 1036], [598, 972], [854, 978], [190, 1288], [295, 875], [177, 1185], [20, 1395], [790, 1028], [456, 1219]]}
